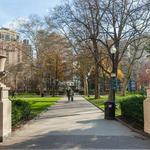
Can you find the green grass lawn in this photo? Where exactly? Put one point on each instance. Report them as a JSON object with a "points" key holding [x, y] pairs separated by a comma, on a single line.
{"points": [[100, 102], [38, 104]]}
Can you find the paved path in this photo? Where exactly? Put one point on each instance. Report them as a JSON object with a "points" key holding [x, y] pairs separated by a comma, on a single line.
{"points": [[75, 125]]}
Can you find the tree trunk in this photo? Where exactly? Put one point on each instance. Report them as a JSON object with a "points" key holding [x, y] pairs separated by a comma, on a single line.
{"points": [[96, 59], [125, 83], [53, 88], [96, 81], [41, 86], [85, 86], [41, 89], [123, 90]]}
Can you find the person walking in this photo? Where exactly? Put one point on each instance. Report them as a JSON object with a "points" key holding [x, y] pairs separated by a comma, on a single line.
{"points": [[72, 95], [68, 92]]}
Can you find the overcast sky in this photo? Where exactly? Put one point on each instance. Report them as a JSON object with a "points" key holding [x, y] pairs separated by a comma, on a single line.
{"points": [[13, 9]]}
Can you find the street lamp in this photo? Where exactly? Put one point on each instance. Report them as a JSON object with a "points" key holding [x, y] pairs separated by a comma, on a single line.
{"points": [[113, 73], [110, 104]]}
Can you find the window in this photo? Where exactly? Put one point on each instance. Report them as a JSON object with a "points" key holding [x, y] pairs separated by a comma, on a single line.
{"points": [[7, 37], [17, 37], [2, 37], [13, 38]]}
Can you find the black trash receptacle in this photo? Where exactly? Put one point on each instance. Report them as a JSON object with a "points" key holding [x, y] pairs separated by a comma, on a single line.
{"points": [[42, 95], [109, 110]]}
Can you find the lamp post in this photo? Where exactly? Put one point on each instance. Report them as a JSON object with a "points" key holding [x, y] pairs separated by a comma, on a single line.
{"points": [[5, 104], [110, 104], [113, 73]]}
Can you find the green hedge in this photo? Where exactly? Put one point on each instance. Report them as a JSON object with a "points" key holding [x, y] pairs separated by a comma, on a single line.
{"points": [[20, 111], [132, 108]]}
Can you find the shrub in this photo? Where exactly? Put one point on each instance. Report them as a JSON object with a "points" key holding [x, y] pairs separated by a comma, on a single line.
{"points": [[20, 111], [132, 108]]}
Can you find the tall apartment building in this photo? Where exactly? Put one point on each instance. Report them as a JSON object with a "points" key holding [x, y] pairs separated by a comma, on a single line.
{"points": [[17, 52], [12, 46]]}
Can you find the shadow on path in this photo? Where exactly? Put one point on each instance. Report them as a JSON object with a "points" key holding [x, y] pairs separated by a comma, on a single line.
{"points": [[77, 125]]}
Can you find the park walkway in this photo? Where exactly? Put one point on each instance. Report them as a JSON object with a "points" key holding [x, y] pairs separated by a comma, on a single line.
{"points": [[75, 125]]}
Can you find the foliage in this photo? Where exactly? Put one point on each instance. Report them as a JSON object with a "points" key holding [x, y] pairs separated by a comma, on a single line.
{"points": [[39, 104], [27, 106], [132, 108], [120, 74], [100, 102], [21, 110], [99, 25], [51, 57]]}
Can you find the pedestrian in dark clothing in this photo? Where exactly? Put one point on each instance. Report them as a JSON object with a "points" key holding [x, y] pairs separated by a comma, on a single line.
{"points": [[72, 94], [68, 92]]}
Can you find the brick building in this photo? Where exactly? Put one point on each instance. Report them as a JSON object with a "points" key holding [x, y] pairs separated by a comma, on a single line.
{"points": [[17, 52]]}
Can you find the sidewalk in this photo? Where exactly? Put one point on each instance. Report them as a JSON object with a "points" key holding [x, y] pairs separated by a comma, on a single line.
{"points": [[74, 125]]}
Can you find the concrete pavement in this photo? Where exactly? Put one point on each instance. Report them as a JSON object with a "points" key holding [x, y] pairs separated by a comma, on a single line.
{"points": [[74, 125]]}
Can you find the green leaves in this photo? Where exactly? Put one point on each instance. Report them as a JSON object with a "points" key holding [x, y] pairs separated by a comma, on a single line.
{"points": [[20, 111], [132, 108]]}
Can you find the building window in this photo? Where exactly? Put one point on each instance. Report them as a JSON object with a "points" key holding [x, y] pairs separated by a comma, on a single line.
{"points": [[2, 37], [13, 38], [17, 37], [7, 37]]}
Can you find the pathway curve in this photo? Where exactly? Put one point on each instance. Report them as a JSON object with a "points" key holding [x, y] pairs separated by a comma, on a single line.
{"points": [[74, 125]]}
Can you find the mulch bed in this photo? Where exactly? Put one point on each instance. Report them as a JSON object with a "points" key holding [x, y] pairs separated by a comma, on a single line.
{"points": [[133, 123]]}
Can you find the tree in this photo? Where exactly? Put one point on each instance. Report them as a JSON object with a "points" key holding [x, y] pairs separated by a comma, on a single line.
{"points": [[80, 22], [58, 60], [124, 23], [84, 66], [50, 51], [131, 60]]}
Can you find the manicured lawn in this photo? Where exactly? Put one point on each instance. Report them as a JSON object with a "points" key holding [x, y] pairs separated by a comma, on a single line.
{"points": [[37, 103], [100, 102]]}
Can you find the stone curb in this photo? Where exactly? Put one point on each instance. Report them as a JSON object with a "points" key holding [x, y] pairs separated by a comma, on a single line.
{"points": [[93, 104], [132, 128]]}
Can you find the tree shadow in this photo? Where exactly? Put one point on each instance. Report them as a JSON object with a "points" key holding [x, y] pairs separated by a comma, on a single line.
{"points": [[83, 133], [82, 139]]}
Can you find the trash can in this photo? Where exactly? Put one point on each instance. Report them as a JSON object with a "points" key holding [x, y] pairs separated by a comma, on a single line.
{"points": [[42, 95], [109, 110]]}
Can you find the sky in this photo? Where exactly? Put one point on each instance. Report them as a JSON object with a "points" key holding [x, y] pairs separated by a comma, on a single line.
{"points": [[11, 10]]}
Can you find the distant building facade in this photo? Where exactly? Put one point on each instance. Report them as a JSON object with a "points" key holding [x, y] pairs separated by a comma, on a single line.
{"points": [[12, 46], [17, 53]]}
